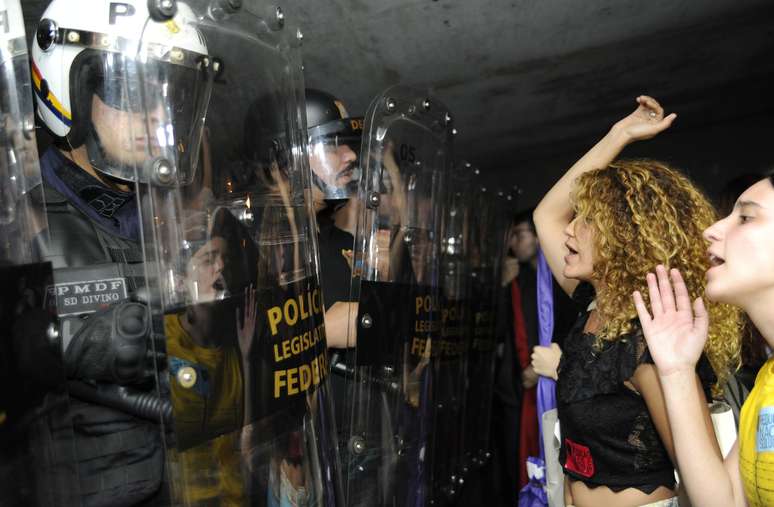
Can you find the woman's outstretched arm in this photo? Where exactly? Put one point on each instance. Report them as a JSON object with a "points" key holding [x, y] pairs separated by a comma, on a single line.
{"points": [[555, 211]]}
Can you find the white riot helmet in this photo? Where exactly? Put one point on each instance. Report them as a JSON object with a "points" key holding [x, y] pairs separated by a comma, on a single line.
{"points": [[130, 86]]}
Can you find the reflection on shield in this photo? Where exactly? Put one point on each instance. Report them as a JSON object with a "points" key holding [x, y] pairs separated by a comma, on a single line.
{"points": [[451, 349], [36, 437], [487, 237], [386, 439], [37, 452], [234, 260]]}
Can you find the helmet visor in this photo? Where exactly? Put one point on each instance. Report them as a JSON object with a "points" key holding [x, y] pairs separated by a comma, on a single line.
{"points": [[333, 157], [142, 111]]}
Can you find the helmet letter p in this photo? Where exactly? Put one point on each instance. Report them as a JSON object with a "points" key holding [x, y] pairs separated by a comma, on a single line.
{"points": [[120, 9]]}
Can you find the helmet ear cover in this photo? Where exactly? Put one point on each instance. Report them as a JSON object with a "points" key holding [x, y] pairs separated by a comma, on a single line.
{"points": [[86, 74]]}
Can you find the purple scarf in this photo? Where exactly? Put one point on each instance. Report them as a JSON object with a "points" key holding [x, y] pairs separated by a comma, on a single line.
{"points": [[546, 388]]}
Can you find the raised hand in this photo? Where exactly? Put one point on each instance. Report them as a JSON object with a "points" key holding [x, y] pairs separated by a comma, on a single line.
{"points": [[246, 326], [645, 122], [675, 333]]}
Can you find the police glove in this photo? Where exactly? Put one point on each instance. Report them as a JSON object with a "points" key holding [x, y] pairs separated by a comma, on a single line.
{"points": [[112, 345]]}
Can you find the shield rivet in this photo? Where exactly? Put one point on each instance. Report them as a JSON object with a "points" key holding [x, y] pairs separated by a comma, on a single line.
{"points": [[280, 16], [164, 171], [374, 199], [390, 104], [357, 445], [187, 377]]}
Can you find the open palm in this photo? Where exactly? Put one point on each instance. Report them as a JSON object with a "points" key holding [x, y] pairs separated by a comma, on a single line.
{"points": [[677, 331], [646, 121], [246, 325]]}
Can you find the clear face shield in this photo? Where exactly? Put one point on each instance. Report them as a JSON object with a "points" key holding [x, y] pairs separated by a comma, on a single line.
{"points": [[333, 149], [144, 109], [18, 159]]}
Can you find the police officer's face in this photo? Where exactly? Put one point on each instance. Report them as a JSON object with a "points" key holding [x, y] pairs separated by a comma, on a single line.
{"points": [[205, 271], [333, 164], [124, 135]]}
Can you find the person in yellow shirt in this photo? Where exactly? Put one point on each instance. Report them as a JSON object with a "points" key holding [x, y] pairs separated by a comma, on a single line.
{"points": [[741, 272], [207, 344]]}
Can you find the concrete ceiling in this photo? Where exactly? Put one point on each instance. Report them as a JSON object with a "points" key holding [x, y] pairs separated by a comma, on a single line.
{"points": [[530, 79], [533, 81]]}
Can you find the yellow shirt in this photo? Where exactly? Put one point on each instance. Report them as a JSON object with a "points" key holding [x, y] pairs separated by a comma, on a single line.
{"points": [[206, 385], [756, 440]]}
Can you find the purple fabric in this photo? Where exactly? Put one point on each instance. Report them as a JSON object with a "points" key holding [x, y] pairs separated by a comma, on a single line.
{"points": [[546, 388], [417, 491], [534, 493]]}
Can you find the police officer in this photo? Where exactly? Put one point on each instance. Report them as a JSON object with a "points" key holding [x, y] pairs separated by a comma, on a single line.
{"points": [[334, 140], [109, 116]]}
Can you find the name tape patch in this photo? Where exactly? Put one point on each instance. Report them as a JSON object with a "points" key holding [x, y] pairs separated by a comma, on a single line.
{"points": [[76, 298], [765, 436]]}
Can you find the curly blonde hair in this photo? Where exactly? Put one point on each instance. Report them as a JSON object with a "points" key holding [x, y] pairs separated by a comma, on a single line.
{"points": [[644, 213]]}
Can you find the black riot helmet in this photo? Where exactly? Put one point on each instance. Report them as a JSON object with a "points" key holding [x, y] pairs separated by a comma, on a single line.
{"points": [[334, 143]]}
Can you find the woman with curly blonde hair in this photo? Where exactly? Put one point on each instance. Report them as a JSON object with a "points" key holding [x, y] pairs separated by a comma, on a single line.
{"points": [[602, 227]]}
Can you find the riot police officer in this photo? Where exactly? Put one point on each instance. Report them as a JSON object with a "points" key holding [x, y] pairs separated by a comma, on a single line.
{"points": [[100, 103], [334, 141], [125, 88]]}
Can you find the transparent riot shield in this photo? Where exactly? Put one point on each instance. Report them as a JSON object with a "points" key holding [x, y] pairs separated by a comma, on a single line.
{"points": [[396, 280], [488, 228], [202, 312], [229, 239], [449, 357], [37, 455]]}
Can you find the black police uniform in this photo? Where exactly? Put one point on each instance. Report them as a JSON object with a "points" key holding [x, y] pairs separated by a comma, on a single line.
{"points": [[94, 239]]}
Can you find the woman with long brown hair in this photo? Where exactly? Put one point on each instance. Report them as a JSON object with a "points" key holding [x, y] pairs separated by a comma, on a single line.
{"points": [[602, 226]]}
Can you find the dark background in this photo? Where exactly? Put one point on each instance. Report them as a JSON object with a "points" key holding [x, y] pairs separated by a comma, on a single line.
{"points": [[533, 83]]}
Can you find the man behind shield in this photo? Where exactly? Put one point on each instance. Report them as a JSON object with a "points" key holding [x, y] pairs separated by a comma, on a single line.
{"points": [[110, 114]]}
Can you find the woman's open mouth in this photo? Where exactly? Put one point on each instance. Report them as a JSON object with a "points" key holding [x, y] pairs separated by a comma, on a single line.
{"points": [[572, 252], [715, 261], [221, 291]]}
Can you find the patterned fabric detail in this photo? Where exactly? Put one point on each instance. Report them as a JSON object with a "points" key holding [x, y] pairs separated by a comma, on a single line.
{"points": [[579, 459]]}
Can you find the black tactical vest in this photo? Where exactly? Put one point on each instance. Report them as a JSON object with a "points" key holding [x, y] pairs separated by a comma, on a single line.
{"points": [[120, 457]]}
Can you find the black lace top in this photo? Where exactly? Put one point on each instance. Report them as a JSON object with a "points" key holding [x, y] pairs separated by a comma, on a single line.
{"points": [[608, 436]]}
